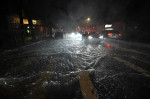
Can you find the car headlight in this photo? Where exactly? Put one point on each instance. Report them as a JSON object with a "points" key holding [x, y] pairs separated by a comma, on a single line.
{"points": [[73, 34], [90, 37], [79, 35], [101, 37]]}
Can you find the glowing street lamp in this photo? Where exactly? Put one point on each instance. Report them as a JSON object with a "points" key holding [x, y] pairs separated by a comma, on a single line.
{"points": [[88, 19]]}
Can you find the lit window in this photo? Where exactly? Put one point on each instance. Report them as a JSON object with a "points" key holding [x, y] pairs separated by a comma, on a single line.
{"points": [[25, 21], [34, 22]]}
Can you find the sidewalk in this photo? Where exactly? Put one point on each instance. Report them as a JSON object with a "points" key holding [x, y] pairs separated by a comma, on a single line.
{"points": [[22, 46]]}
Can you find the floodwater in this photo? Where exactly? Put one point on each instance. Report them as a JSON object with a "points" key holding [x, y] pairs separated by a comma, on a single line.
{"points": [[52, 69]]}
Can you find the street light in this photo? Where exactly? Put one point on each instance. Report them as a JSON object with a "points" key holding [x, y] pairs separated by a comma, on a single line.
{"points": [[88, 22], [88, 19]]}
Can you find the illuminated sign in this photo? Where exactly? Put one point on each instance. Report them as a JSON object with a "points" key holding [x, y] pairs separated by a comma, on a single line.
{"points": [[108, 25]]}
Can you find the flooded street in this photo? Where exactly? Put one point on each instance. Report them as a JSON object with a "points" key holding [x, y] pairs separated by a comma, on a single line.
{"points": [[74, 69]]}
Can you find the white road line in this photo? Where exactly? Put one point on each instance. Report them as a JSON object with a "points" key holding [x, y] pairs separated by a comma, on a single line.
{"points": [[137, 68], [87, 87], [140, 60], [134, 51]]}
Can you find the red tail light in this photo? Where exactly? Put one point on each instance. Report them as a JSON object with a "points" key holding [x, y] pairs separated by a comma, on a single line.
{"points": [[109, 34], [120, 34], [90, 29]]}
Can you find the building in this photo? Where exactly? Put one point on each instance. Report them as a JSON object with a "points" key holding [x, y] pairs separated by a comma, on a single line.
{"points": [[14, 33]]}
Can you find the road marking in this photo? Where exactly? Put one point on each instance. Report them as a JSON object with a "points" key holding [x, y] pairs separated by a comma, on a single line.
{"points": [[137, 68], [140, 60], [87, 87], [134, 51]]}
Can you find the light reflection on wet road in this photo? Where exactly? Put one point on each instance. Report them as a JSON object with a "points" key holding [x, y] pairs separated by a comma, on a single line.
{"points": [[52, 69]]}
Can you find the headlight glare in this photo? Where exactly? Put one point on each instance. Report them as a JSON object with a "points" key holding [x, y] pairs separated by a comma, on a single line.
{"points": [[90, 37], [101, 37]]}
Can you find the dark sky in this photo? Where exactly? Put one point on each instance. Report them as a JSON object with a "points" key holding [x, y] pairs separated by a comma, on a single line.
{"points": [[79, 9], [100, 11]]}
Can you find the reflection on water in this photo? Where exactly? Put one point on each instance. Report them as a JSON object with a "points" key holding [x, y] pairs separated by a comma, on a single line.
{"points": [[108, 45], [55, 66]]}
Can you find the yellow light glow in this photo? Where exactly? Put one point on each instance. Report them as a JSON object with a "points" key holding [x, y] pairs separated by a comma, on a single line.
{"points": [[88, 19], [25, 21], [34, 22]]}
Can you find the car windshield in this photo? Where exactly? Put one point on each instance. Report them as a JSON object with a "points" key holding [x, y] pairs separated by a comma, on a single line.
{"points": [[74, 49]]}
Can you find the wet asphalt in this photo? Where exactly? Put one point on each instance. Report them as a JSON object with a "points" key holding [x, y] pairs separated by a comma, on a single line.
{"points": [[61, 68]]}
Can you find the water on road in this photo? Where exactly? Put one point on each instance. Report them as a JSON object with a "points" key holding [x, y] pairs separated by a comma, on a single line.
{"points": [[71, 68]]}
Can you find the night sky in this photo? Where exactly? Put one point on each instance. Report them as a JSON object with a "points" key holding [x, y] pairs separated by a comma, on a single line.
{"points": [[100, 11]]}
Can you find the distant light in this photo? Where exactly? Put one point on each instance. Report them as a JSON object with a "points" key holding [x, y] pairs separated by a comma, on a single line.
{"points": [[109, 34], [28, 31], [73, 34], [88, 19], [34, 22], [101, 37], [108, 25], [76, 35], [28, 27], [25, 21], [79, 35], [90, 37], [109, 29], [90, 29], [120, 34]]}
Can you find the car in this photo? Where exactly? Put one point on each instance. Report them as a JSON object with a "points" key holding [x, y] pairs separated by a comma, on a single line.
{"points": [[91, 37], [111, 34]]}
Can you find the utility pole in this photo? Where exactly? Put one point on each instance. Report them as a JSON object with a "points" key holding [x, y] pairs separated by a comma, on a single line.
{"points": [[21, 15]]}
